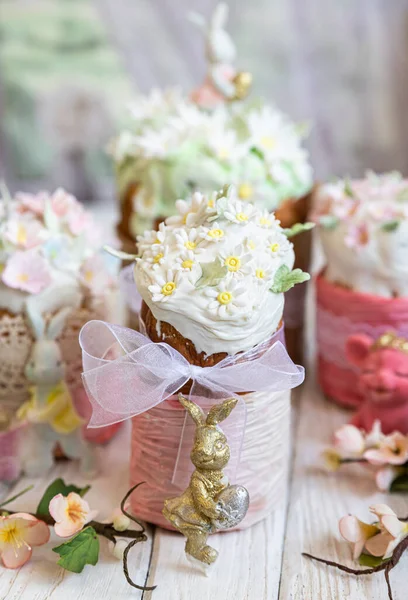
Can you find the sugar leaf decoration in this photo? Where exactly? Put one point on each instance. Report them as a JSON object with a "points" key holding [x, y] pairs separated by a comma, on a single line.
{"points": [[297, 228], [285, 279], [81, 550], [391, 225], [212, 274], [328, 221]]}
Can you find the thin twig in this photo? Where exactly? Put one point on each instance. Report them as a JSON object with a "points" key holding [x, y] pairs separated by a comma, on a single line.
{"points": [[387, 579], [27, 489], [124, 511], [126, 571], [331, 563]]}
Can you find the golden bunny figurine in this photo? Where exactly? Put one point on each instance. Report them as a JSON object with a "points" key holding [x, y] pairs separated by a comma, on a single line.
{"points": [[209, 503]]}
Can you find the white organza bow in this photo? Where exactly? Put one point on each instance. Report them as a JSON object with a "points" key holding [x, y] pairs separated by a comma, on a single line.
{"points": [[126, 374]]}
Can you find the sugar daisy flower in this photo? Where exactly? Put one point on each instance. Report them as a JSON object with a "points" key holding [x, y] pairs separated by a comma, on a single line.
{"points": [[215, 233], [187, 263], [277, 245], [263, 270], [225, 146], [165, 286], [239, 212], [266, 220], [27, 271], [188, 240], [192, 212], [19, 533], [236, 260], [151, 238], [227, 298], [70, 513], [156, 255]]}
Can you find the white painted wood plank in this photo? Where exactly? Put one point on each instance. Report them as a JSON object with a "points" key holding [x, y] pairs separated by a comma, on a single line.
{"points": [[42, 578], [318, 500]]}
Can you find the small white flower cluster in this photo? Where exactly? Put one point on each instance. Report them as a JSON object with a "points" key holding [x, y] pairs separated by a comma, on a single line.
{"points": [[218, 251], [174, 145]]}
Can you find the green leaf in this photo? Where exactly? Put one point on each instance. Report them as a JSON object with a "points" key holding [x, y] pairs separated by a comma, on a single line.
{"points": [[81, 550], [391, 225], [328, 221], [366, 560], [403, 195], [348, 190], [57, 487], [298, 228], [400, 483], [285, 279], [213, 273]]}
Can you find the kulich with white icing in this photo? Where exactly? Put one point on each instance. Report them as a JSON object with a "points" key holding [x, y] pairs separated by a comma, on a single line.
{"points": [[363, 226], [208, 272], [171, 146], [48, 243]]}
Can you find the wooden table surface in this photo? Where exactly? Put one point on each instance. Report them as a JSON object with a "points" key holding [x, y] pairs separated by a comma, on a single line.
{"points": [[262, 563]]}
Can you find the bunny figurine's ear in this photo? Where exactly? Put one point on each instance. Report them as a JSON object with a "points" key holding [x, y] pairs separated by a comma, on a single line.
{"points": [[219, 16], [198, 20], [196, 413], [36, 322], [57, 323], [220, 412]]}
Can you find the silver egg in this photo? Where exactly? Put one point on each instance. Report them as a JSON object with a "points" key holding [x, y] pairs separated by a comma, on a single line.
{"points": [[233, 503]]}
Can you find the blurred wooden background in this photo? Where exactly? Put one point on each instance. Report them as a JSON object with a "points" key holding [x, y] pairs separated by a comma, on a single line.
{"points": [[342, 64]]}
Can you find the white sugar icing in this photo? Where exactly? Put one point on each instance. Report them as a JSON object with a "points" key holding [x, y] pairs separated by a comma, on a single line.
{"points": [[49, 245], [363, 226], [229, 308], [171, 146]]}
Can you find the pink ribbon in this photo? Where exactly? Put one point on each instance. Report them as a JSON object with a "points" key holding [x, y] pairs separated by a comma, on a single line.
{"points": [[126, 374]]}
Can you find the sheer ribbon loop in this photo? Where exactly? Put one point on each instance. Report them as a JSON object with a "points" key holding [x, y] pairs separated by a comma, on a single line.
{"points": [[126, 374]]}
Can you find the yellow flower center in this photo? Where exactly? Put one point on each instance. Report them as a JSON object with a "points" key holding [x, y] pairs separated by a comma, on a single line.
{"points": [[211, 203], [75, 512], [260, 273], [11, 534], [88, 276], [274, 247], [265, 221], [168, 288], [21, 235], [157, 241], [158, 258], [187, 264], [233, 263], [251, 244], [224, 297], [245, 191], [268, 142], [223, 153], [190, 245], [184, 220], [23, 277], [242, 217], [215, 233]]}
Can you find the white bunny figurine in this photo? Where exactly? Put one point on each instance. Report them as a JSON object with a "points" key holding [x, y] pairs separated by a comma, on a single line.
{"points": [[51, 410], [223, 81]]}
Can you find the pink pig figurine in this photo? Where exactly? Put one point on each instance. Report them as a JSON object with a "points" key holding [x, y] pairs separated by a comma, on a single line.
{"points": [[383, 381]]}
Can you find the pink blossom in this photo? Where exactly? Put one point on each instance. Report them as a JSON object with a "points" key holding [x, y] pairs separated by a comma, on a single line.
{"points": [[70, 513], [94, 274], [24, 233], [393, 531], [357, 236], [79, 220], [385, 477], [34, 203], [62, 202], [392, 450], [357, 532], [18, 534], [27, 271], [350, 440]]}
